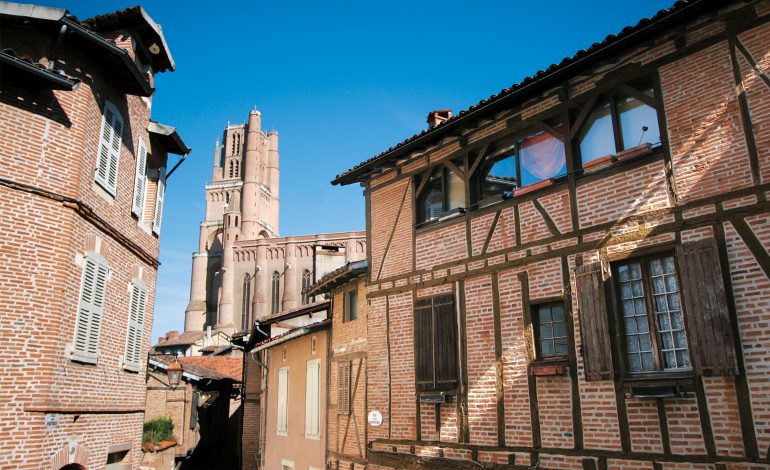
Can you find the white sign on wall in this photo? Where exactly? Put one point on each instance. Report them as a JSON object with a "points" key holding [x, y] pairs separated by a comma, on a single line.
{"points": [[375, 418], [51, 420]]}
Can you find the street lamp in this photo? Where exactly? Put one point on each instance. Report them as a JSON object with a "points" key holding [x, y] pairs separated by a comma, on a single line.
{"points": [[174, 372]]}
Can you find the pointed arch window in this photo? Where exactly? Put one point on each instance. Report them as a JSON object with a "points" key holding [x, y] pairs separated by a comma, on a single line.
{"points": [[231, 171], [305, 284], [276, 290]]}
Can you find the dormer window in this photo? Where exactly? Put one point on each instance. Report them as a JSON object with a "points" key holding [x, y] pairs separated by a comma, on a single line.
{"points": [[622, 119], [440, 195]]}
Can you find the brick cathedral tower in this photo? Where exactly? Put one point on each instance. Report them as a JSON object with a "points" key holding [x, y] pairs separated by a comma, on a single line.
{"points": [[241, 204]]}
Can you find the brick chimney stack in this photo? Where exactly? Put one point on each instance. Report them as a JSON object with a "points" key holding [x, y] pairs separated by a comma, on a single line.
{"points": [[438, 116]]}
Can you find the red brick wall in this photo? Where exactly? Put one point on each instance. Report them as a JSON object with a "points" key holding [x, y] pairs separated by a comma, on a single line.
{"points": [[709, 157], [50, 141]]}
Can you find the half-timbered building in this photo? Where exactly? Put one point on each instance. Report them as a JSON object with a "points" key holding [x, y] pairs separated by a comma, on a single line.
{"points": [[574, 273]]}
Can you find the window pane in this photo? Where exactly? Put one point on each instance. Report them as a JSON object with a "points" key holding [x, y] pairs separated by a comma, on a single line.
{"points": [[433, 201], [597, 138], [638, 341], [542, 157], [500, 177], [456, 192], [669, 313], [551, 330], [635, 116]]}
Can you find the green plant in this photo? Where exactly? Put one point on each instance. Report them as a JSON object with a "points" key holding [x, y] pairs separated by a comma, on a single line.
{"points": [[158, 429]]}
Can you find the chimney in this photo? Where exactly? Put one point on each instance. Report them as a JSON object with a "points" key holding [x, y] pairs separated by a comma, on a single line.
{"points": [[161, 339], [438, 116], [171, 335]]}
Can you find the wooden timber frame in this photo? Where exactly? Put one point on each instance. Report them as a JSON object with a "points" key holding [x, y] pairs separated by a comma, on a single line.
{"points": [[656, 228]]}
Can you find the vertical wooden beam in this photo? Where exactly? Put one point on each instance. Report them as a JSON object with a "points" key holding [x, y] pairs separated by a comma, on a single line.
{"points": [[577, 413], [368, 208], [549, 223], [463, 428], [742, 391], [491, 231], [534, 409], [665, 439], [668, 163], [743, 103], [499, 390], [390, 384], [517, 224], [571, 168]]}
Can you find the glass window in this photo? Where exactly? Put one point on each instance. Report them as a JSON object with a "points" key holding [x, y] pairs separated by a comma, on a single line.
{"points": [[351, 305], [536, 157], [652, 323], [444, 193], [620, 122], [550, 326]]}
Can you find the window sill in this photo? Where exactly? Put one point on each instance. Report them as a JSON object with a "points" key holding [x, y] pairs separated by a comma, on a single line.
{"points": [[533, 187], [612, 159], [442, 221], [683, 377], [548, 367]]}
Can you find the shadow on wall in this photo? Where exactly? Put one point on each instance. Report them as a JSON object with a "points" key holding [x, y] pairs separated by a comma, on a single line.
{"points": [[43, 103]]}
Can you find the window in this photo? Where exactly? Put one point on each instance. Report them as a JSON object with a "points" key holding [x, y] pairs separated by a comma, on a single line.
{"points": [[275, 293], [343, 388], [140, 180], [159, 199], [283, 401], [110, 140], [435, 336], [313, 399], [652, 320], [287, 465], [550, 329], [619, 120], [537, 156], [306, 279], [351, 305], [671, 316], [442, 193], [246, 303], [136, 314], [90, 309]]}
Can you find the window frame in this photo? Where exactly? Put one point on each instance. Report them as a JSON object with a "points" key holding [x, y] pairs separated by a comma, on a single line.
{"points": [[612, 94], [644, 259], [282, 413], [534, 319], [313, 407], [420, 216], [346, 316]]}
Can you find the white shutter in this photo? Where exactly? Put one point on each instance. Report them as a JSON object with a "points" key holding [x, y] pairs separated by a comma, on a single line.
{"points": [[90, 309], [313, 399], [161, 195], [110, 140], [283, 400], [136, 314], [140, 184]]}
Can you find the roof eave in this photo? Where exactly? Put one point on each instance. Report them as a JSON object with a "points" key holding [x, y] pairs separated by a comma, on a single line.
{"points": [[169, 138], [358, 175], [52, 80]]}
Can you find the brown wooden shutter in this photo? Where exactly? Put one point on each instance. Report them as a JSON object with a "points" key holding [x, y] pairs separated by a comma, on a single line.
{"points": [[343, 387], [707, 318], [423, 344], [594, 322], [445, 343]]}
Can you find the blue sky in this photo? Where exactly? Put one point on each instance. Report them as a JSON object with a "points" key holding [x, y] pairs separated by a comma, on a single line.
{"points": [[341, 81]]}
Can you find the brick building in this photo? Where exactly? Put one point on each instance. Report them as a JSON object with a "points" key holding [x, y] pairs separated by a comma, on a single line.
{"points": [[82, 180], [243, 270], [346, 407], [574, 273]]}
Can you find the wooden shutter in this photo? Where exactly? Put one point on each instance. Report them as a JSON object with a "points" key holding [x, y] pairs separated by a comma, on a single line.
{"points": [[343, 387], [594, 322], [140, 184], [445, 341], [90, 310], [283, 397], [423, 344], [707, 318], [159, 197], [110, 141], [136, 314], [313, 399]]}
